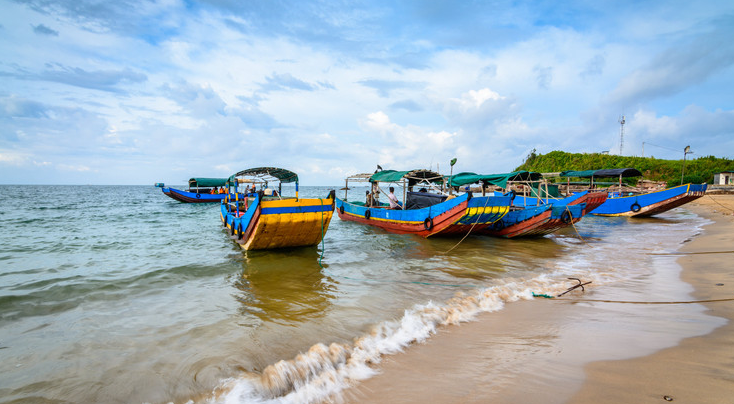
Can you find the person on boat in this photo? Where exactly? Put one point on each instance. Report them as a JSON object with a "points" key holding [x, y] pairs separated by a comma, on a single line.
{"points": [[370, 201], [211, 191], [393, 200]]}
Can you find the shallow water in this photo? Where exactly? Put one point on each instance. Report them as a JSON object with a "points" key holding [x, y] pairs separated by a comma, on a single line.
{"points": [[119, 294]]}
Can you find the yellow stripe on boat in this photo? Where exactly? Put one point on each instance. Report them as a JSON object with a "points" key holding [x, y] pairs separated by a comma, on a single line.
{"points": [[290, 229]]}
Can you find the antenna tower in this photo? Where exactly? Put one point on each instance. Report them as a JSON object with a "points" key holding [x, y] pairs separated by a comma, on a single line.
{"points": [[621, 135]]}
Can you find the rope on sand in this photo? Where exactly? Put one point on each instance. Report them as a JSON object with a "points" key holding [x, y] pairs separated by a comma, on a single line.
{"points": [[719, 203], [671, 302], [694, 252]]}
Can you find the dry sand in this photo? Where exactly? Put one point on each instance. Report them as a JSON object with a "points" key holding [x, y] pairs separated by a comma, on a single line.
{"points": [[544, 351]]}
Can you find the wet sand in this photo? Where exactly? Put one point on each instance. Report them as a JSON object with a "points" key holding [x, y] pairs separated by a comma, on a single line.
{"points": [[699, 369], [572, 351]]}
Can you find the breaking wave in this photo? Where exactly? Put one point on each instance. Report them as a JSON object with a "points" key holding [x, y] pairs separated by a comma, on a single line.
{"points": [[325, 370]]}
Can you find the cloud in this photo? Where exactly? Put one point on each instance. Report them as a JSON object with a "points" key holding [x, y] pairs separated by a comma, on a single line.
{"points": [[407, 105], [41, 29], [386, 87], [285, 81], [690, 62], [594, 67], [102, 80], [543, 76], [479, 109], [16, 107]]}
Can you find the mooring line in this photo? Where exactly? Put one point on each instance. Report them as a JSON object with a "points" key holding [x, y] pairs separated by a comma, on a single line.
{"points": [[717, 202], [321, 256], [644, 302], [694, 252], [472, 226]]}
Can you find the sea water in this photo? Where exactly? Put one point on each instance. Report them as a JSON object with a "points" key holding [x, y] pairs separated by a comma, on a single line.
{"points": [[118, 294]]}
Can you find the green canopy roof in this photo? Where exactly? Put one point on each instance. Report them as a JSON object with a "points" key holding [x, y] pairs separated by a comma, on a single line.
{"points": [[267, 174], [206, 182], [578, 174], [610, 172], [499, 180], [413, 176]]}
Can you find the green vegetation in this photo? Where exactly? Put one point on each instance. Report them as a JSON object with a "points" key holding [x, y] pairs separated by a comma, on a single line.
{"points": [[697, 170]]}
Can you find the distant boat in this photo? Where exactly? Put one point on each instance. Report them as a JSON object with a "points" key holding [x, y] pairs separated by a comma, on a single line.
{"points": [[199, 191], [259, 217], [525, 220], [636, 203], [159, 185], [421, 213]]}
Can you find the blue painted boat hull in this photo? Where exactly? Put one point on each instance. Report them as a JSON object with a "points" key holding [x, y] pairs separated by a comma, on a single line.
{"points": [[192, 197], [651, 203], [424, 222], [264, 223]]}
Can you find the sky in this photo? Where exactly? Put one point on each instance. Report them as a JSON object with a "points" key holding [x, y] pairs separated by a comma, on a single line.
{"points": [[131, 92]]}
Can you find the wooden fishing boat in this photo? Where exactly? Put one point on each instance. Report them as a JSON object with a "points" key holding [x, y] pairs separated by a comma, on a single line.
{"points": [[526, 220], [421, 213], [259, 217], [201, 190], [591, 199], [623, 201]]}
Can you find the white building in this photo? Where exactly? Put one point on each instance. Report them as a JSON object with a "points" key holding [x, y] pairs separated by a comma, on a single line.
{"points": [[724, 178]]}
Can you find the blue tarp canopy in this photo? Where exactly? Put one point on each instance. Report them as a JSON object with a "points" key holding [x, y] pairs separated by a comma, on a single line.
{"points": [[499, 180]]}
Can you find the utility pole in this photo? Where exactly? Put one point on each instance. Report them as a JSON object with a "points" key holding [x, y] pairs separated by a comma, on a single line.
{"points": [[621, 135], [686, 151]]}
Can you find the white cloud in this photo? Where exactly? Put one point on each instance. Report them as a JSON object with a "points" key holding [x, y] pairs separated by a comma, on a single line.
{"points": [[159, 91]]}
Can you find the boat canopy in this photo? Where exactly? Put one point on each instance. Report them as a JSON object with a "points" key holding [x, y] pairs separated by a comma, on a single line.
{"points": [[266, 174], [606, 173], [206, 182], [413, 176], [499, 180]]}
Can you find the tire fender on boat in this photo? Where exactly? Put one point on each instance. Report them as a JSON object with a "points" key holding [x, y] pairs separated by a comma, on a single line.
{"points": [[367, 214], [341, 210], [566, 217], [635, 207], [198, 196], [231, 229], [428, 223], [239, 232]]}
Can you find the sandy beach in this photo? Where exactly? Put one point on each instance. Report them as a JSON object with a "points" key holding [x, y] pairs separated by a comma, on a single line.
{"points": [[582, 349], [699, 369]]}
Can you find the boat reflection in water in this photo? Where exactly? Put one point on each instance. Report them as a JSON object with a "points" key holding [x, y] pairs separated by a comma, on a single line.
{"points": [[284, 288]]}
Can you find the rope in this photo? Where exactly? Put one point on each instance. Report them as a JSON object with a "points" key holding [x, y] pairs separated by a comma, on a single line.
{"points": [[373, 280], [694, 253], [471, 228], [574, 225], [719, 203], [671, 302]]}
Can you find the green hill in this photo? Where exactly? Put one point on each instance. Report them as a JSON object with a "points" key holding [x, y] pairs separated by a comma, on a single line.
{"points": [[697, 171]]}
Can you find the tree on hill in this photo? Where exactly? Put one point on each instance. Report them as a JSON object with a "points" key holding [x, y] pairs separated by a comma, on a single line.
{"points": [[697, 171]]}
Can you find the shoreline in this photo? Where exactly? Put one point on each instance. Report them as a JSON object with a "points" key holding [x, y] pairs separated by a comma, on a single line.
{"points": [[571, 351], [698, 369]]}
